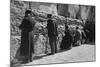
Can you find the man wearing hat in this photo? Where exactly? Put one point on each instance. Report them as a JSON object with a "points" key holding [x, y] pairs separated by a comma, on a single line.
{"points": [[26, 27], [52, 33]]}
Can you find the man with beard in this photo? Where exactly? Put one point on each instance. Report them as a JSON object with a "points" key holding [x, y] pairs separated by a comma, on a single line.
{"points": [[26, 47], [52, 33]]}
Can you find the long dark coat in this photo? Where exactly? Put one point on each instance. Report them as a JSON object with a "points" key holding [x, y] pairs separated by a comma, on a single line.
{"points": [[90, 31], [52, 28], [77, 38], [26, 37], [66, 42], [52, 33]]}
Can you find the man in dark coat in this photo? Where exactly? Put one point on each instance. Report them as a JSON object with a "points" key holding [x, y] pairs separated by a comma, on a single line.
{"points": [[77, 37], [52, 32], [26, 27], [89, 29]]}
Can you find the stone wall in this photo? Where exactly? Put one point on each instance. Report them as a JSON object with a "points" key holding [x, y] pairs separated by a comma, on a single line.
{"points": [[82, 12], [40, 9]]}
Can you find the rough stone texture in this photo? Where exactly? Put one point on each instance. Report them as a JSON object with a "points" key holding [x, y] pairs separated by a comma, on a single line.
{"points": [[62, 9], [83, 12], [14, 46], [73, 10], [48, 8], [17, 10]]}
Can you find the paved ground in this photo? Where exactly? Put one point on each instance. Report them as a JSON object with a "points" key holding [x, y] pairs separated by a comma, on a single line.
{"points": [[76, 54]]}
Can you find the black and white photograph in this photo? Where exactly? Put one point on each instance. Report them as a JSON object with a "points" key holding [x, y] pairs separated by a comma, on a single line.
{"points": [[43, 33]]}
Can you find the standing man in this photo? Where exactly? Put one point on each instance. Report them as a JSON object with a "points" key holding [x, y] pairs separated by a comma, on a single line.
{"points": [[52, 33], [77, 37], [26, 47]]}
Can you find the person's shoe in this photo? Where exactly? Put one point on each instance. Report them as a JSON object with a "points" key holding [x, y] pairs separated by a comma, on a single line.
{"points": [[50, 54], [56, 51], [24, 62]]}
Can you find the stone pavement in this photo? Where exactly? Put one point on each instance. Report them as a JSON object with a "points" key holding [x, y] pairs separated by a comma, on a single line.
{"points": [[76, 54]]}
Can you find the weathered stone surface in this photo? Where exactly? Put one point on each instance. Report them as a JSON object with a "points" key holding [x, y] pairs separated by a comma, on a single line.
{"points": [[14, 46], [73, 10], [40, 10]]}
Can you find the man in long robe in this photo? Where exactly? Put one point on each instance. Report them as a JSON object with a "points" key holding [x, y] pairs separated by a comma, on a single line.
{"points": [[52, 33], [26, 47]]}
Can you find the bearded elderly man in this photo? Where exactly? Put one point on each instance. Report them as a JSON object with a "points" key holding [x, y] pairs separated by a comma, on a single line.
{"points": [[26, 27]]}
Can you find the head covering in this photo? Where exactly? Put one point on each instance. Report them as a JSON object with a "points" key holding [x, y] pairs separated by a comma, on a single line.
{"points": [[77, 28], [49, 15], [28, 12], [66, 27]]}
